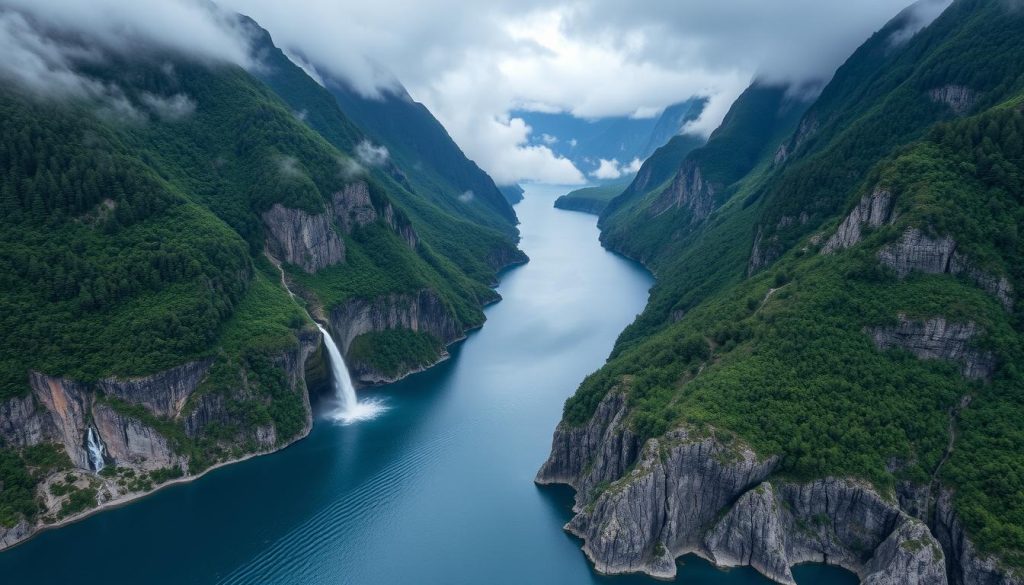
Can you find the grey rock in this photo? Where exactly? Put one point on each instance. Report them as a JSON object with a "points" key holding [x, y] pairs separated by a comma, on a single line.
{"points": [[423, 312], [23, 423], [132, 443], [353, 207], [960, 99], [752, 533], [688, 190], [936, 338], [872, 211], [15, 534], [165, 393], [302, 239], [965, 565], [909, 556], [917, 252]]}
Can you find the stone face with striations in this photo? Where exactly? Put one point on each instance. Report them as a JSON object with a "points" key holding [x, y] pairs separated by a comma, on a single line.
{"points": [[688, 190], [960, 99], [164, 394], [302, 239], [873, 211], [938, 339], [917, 252], [680, 493]]}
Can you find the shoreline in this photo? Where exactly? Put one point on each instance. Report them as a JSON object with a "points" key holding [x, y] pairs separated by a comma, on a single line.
{"points": [[125, 499]]}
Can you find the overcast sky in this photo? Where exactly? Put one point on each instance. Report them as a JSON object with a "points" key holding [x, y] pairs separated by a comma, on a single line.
{"points": [[473, 61]]}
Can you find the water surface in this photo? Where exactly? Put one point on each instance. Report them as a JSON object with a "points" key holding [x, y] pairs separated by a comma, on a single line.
{"points": [[438, 489]]}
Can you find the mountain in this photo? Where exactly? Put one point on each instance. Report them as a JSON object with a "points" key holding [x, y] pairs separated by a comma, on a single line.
{"points": [[618, 138], [590, 199], [828, 364], [434, 165], [149, 235]]}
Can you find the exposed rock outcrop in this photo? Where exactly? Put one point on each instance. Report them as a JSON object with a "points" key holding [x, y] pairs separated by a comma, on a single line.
{"points": [[23, 423], [688, 190], [165, 393], [423, 312], [303, 239], [762, 252], [67, 402], [131, 443], [693, 493], [960, 99], [938, 339], [965, 566], [915, 251], [873, 211], [353, 207]]}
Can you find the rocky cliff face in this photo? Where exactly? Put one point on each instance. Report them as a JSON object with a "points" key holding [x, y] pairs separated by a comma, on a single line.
{"points": [[131, 443], [639, 507], [302, 239], [353, 207], [62, 411], [915, 251], [689, 190], [164, 394], [873, 211], [960, 99], [422, 312], [938, 339]]}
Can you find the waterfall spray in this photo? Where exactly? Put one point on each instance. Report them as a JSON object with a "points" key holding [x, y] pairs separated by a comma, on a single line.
{"points": [[350, 408]]}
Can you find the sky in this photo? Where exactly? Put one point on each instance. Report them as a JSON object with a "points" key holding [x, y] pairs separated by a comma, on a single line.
{"points": [[472, 62]]}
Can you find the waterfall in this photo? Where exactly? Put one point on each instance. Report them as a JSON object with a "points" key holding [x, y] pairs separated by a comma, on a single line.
{"points": [[350, 408], [95, 447]]}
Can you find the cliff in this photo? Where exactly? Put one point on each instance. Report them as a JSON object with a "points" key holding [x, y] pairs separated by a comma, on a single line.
{"points": [[424, 312], [145, 427], [302, 238], [639, 507]]}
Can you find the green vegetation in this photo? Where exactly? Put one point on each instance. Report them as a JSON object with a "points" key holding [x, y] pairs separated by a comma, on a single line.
{"points": [[590, 199], [784, 359], [394, 351], [133, 242]]}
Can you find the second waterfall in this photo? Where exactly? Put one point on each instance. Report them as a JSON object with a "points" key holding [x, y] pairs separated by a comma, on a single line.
{"points": [[350, 409]]}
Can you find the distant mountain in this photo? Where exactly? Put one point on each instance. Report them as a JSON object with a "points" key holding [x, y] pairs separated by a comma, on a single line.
{"points": [[622, 139]]}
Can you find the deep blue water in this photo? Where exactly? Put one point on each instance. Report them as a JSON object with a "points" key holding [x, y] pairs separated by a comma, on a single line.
{"points": [[437, 490]]}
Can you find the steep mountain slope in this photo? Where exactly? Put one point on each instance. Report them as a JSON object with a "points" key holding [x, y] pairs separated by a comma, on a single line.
{"points": [[148, 333], [827, 370], [434, 165]]}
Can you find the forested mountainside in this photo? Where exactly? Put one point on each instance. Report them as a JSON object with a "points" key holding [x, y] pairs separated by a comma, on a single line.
{"points": [[590, 199], [432, 162], [148, 334], [829, 366]]}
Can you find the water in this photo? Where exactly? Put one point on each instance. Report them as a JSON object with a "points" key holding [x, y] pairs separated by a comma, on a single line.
{"points": [[95, 448], [436, 490], [349, 408]]}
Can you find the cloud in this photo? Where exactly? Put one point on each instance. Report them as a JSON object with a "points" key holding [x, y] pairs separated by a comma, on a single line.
{"points": [[919, 16], [169, 109], [370, 155], [613, 169], [591, 59], [467, 197], [548, 139], [289, 167]]}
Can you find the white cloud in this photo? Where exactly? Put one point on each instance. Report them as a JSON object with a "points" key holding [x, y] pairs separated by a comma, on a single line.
{"points": [[592, 58], [370, 155], [169, 109], [633, 167], [548, 139], [613, 169]]}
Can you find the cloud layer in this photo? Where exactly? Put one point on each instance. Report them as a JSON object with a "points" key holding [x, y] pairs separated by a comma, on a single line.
{"points": [[472, 63]]}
